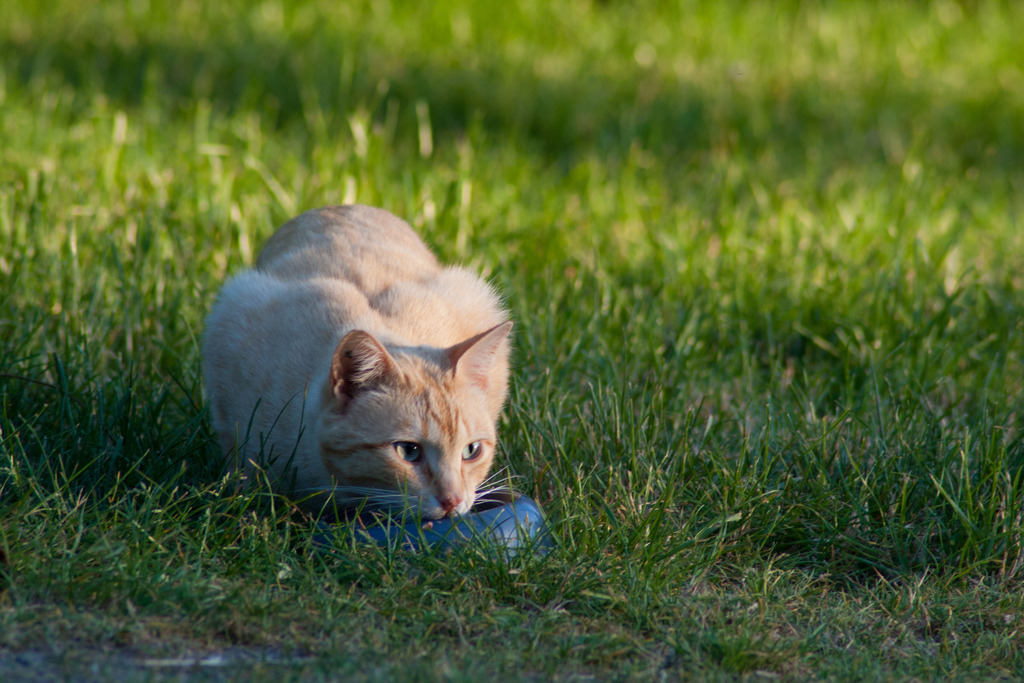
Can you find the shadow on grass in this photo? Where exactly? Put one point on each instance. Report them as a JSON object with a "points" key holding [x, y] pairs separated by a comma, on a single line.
{"points": [[290, 86]]}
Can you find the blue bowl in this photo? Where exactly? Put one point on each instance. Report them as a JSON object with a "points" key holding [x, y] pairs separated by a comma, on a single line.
{"points": [[507, 520]]}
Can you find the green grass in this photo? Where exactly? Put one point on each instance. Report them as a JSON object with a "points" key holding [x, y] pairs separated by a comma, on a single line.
{"points": [[766, 264]]}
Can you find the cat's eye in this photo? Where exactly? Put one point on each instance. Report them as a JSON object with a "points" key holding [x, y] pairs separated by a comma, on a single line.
{"points": [[472, 451], [408, 450]]}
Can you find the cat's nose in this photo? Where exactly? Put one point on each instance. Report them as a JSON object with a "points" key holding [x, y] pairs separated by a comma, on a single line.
{"points": [[449, 503]]}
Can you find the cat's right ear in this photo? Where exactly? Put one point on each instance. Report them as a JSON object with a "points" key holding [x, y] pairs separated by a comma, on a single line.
{"points": [[359, 362], [474, 358]]}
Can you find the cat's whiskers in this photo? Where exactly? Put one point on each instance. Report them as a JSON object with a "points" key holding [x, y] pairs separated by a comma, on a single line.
{"points": [[354, 496], [501, 473], [495, 487]]}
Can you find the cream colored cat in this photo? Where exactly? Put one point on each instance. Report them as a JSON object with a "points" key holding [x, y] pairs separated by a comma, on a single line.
{"points": [[349, 365]]}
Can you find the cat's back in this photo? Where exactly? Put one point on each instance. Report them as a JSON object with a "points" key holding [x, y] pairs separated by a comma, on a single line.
{"points": [[369, 247]]}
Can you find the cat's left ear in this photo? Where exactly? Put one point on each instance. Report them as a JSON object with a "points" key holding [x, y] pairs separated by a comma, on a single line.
{"points": [[473, 359]]}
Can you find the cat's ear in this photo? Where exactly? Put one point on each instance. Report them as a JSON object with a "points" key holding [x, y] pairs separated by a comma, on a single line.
{"points": [[359, 362], [473, 359]]}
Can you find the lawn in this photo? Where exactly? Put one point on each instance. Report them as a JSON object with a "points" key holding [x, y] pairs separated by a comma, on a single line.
{"points": [[766, 264]]}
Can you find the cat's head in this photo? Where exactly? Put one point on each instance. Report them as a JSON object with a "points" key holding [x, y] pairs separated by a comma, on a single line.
{"points": [[413, 427]]}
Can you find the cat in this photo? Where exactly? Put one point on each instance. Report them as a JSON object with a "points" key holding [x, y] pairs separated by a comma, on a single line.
{"points": [[349, 367]]}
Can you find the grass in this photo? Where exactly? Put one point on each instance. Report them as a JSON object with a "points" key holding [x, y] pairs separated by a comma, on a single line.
{"points": [[766, 269]]}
